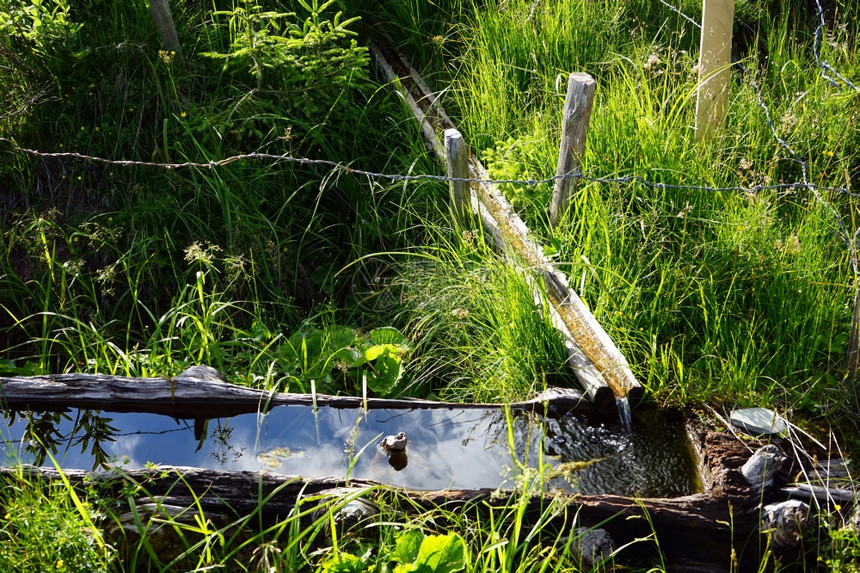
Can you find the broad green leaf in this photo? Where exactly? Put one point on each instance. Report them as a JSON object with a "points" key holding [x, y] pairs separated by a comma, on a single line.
{"points": [[407, 545], [342, 336], [350, 357], [386, 335], [385, 374], [442, 553], [378, 350]]}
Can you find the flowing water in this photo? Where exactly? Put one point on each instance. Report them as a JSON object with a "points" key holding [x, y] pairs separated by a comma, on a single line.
{"points": [[457, 448], [624, 414]]}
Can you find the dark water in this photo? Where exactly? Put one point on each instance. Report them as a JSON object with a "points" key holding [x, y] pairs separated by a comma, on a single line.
{"points": [[447, 448]]}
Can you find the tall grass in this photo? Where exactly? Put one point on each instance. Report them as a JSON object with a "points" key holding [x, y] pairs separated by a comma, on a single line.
{"points": [[714, 296], [141, 271]]}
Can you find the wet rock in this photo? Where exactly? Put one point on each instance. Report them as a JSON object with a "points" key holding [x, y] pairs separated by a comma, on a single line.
{"points": [[764, 465], [203, 372], [393, 444], [758, 421], [593, 546], [353, 517]]}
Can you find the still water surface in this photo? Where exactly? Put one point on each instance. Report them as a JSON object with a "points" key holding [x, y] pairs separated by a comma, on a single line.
{"points": [[446, 448]]}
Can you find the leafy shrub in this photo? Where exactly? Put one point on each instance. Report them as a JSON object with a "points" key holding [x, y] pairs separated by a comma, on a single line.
{"points": [[315, 59]]}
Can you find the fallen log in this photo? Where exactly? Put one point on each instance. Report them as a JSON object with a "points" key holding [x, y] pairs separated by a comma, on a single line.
{"points": [[202, 392], [702, 531]]}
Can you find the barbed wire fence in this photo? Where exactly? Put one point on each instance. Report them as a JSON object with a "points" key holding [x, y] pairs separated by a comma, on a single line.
{"points": [[852, 241], [400, 177]]}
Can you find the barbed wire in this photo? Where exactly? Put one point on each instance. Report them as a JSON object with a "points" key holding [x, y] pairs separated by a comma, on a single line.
{"points": [[681, 14], [395, 177], [853, 243], [816, 51]]}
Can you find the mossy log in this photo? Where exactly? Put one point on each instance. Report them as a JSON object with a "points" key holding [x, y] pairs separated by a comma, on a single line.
{"points": [[700, 532]]}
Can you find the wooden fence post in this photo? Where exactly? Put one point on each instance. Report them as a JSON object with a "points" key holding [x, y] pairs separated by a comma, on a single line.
{"points": [[715, 55], [577, 114], [458, 167], [163, 19]]}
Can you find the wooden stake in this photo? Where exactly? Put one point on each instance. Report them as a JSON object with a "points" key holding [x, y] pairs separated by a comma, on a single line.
{"points": [[577, 115], [852, 359], [163, 19], [458, 168], [715, 53]]}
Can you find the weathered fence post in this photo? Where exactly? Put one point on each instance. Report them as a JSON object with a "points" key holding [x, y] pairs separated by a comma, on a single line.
{"points": [[458, 168], [852, 358], [715, 53], [163, 19], [577, 114]]}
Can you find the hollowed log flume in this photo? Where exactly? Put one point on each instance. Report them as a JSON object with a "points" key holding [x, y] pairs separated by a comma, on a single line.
{"points": [[713, 531]]}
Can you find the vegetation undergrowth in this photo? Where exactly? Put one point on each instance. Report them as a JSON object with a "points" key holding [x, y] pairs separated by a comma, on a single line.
{"points": [[285, 275], [140, 271]]}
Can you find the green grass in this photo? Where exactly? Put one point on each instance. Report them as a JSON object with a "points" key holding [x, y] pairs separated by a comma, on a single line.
{"points": [[141, 271], [713, 296], [272, 271]]}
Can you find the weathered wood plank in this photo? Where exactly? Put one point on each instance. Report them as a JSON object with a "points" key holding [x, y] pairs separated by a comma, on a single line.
{"points": [[715, 53], [456, 154]]}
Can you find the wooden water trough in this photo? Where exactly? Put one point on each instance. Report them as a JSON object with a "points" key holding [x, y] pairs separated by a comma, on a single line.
{"points": [[717, 530], [600, 367]]}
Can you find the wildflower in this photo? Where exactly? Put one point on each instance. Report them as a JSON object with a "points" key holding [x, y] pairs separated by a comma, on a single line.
{"points": [[653, 60], [75, 266], [106, 275], [201, 252], [183, 115], [745, 163], [460, 313]]}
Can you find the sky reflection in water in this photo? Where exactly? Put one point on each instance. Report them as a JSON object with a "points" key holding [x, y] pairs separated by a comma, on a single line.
{"points": [[447, 448]]}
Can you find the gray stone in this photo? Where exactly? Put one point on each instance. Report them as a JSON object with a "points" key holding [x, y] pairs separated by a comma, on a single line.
{"points": [[393, 444], [763, 465], [786, 522], [593, 546], [758, 421]]}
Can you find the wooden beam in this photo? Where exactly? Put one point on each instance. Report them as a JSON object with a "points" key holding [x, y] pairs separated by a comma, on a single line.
{"points": [[193, 396], [575, 120], [715, 56], [163, 20], [457, 161], [702, 532]]}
